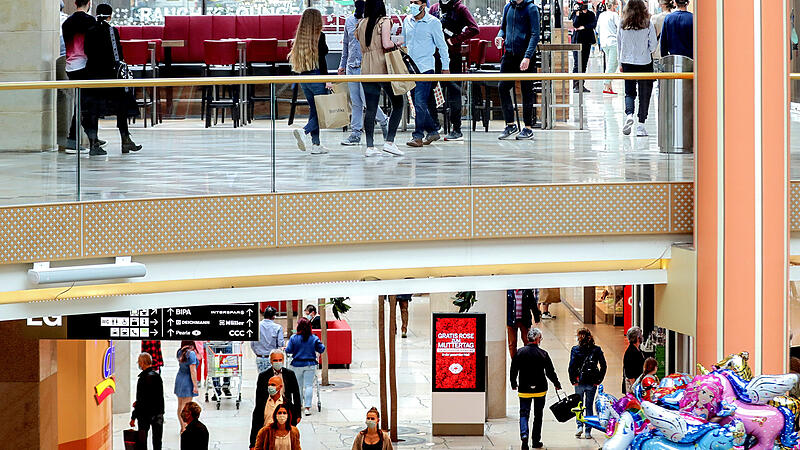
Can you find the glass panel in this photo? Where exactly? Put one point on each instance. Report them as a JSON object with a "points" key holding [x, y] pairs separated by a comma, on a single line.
{"points": [[34, 163], [205, 141]]}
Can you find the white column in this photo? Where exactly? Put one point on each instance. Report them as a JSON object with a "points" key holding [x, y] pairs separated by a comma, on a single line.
{"points": [[493, 303], [125, 355]]}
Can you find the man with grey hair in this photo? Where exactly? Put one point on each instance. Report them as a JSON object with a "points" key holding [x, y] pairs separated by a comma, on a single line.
{"points": [[633, 361], [289, 391], [148, 408], [531, 367]]}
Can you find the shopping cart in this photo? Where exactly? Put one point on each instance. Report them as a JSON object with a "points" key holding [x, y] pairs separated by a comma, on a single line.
{"points": [[224, 361]]}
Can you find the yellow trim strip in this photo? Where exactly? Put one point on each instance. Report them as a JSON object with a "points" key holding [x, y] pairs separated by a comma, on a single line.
{"points": [[536, 395], [212, 81], [198, 284]]}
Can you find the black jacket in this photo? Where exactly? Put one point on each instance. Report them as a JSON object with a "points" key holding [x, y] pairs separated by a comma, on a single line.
{"points": [[588, 21], [76, 26], [315, 323], [532, 364], [529, 306], [149, 396], [195, 436], [100, 53], [576, 359], [291, 396], [632, 363]]}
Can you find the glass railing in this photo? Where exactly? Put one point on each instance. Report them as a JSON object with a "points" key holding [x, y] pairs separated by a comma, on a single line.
{"points": [[239, 135]]}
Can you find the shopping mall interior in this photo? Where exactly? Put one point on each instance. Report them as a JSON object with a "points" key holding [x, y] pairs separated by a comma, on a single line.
{"points": [[197, 225]]}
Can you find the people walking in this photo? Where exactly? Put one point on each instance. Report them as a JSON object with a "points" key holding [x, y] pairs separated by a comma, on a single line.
{"points": [[280, 434], [374, 35], [518, 37], [350, 64], [423, 36], [74, 30], [459, 27], [531, 367], [584, 22], [607, 27], [633, 360], [186, 380], [658, 21], [270, 337], [587, 369], [304, 348], [521, 312], [636, 41], [289, 393], [371, 437], [677, 35], [403, 301], [195, 434], [308, 58], [148, 409]]}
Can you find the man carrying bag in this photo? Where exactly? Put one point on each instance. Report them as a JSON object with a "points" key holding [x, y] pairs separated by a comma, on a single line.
{"points": [[333, 110]]}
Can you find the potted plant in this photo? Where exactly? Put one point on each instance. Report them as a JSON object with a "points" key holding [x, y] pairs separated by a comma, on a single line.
{"points": [[464, 300]]}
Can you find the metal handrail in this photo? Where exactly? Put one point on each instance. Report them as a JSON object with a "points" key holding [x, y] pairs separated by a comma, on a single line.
{"points": [[288, 79]]}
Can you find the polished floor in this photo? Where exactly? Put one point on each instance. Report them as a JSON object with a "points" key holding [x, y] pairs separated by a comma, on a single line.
{"points": [[355, 390]]}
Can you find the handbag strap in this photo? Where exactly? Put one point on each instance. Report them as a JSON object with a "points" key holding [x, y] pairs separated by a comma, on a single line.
{"points": [[114, 44]]}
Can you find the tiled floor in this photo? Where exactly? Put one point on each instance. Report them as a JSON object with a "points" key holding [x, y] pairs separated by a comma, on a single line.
{"points": [[355, 390]]}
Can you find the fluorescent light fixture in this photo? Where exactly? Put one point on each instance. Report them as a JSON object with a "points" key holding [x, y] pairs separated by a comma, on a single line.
{"points": [[42, 273]]}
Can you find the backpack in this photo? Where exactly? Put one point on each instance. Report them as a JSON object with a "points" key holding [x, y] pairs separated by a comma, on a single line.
{"points": [[589, 373]]}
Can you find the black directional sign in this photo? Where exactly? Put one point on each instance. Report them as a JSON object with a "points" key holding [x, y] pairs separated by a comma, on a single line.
{"points": [[238, 322]]}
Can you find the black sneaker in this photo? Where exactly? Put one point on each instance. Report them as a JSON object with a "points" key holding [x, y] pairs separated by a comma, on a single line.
{"points": [[454, 136], [525, 445], [511, 130], [526, 133], [97, 151], [537, 445]]}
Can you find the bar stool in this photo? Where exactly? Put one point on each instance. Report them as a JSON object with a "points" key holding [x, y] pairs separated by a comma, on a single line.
{"points": [[262, 55], [220, 58], [140, 56]]}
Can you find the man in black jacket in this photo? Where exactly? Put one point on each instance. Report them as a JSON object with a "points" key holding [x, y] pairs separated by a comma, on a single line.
{"points": [[148, 408], [530, 369], [522, 310], [195, 435], [291, 393], [584, 22]]}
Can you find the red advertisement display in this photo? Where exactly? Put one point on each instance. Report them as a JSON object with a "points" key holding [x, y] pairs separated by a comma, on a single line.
{"points": [[627, 307], [459, 348]]}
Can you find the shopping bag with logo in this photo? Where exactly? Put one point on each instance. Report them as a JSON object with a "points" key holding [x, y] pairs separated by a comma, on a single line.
{"points": [[130, 438], [563, 408], [395, 65], [333, 110]]}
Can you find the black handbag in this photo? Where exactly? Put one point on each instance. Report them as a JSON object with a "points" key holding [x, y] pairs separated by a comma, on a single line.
{"points": [[563, 408], [121, 69]]}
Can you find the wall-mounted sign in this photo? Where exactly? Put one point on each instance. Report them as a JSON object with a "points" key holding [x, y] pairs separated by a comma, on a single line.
{"points": [[459, 352], [108, 386]]}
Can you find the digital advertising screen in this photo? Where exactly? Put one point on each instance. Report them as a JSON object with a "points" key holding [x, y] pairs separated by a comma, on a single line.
{"points": [[459, 352]]}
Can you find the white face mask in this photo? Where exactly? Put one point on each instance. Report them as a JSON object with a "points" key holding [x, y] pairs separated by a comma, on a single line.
{"points": [[414, 9], [272, 390], [277, 365], [371, 424]]}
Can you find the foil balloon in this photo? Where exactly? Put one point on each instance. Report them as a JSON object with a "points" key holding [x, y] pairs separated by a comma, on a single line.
{"points": [[676, 426], [731, 436], [623, 434]]}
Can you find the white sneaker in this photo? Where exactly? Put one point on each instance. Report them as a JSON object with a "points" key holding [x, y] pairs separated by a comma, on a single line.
{"points": [[641, 131], [372, 151], [301, 138], [626, 129], [391, 148], [318, 150]]}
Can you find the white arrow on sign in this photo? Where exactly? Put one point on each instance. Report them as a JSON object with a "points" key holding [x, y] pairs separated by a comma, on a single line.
{"points": [[249, 321], [154, 322], [249, 312], [153, 311], [170, 321], [170, 331], [154, 332], [249, 332], [170, 311]]}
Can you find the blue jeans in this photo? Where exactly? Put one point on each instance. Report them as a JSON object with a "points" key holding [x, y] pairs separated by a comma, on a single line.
{"points": [[524, 417], [305, 378], [357, 103], [263, 364], [423, 121], [586, 391], [310, 90]]}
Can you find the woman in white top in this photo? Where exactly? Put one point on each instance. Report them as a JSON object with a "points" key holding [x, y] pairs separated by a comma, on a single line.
{"points": [[607, 26], [636, 41], [658, 21]]}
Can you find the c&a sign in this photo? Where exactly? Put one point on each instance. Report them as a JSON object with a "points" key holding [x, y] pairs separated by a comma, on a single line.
{"points": [[108, 386]]}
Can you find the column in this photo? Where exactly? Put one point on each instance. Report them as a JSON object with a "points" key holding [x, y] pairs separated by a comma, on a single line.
{"points": [[28, 387], [29, 33], [126, 355], [742, 181], [493, 303]]}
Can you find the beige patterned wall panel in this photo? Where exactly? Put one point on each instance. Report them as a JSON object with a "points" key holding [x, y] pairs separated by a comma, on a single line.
{"points": [[329, 218], [40, 233], [179, 225], [682, 208], [558, 210], [794, 206]]}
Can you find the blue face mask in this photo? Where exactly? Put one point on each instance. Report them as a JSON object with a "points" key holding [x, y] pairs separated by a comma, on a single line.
{"points": [[414, 9]]}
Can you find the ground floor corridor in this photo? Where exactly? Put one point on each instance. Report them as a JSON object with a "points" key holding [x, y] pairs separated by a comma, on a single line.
{"points": [[355, 390]]}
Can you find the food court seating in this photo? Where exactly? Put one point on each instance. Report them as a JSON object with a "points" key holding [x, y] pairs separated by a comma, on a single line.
{"points": [[220, 58]]}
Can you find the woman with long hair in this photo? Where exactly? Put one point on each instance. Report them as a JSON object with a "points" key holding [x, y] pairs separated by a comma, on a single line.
{"points": [[308, 58], [371, 437], [186, 380], [280, 434], [636, 42], [374, 34], [304, 347], [585, 375]]}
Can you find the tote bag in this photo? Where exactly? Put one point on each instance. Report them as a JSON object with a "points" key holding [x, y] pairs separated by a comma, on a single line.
{"points": [[396, 66], [333, 110]]}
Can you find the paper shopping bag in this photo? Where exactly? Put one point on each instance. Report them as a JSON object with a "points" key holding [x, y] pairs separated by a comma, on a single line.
{"points": [[333, 110], [438, 95], [396, 66]]}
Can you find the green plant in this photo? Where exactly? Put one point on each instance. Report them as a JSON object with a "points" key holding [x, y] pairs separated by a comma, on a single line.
{"points": [[339, 306], [464, 300]]}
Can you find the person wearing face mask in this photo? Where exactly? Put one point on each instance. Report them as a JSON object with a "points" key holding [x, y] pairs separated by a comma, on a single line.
{"points": [[371, 438], [279, 434], [270, 337], [313, 317], [195, 435], [290, 393]]}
